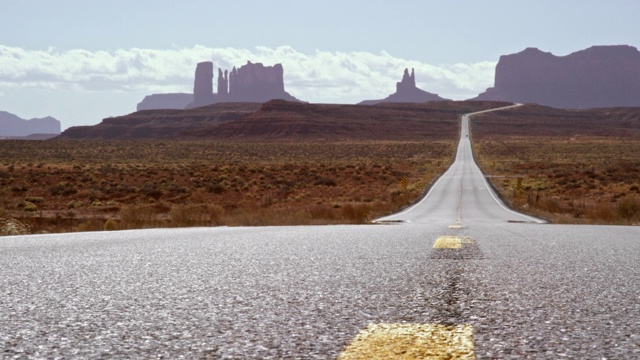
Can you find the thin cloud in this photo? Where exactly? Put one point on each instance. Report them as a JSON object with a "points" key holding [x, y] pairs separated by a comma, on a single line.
{"points": [[331, 77]]}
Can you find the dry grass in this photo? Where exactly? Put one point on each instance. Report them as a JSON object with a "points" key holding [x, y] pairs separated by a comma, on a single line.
{"points": [[577, 166], [93, 185], [581, 180]]}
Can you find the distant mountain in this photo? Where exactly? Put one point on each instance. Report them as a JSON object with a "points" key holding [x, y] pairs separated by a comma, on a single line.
{"points": [[165, 101], [598, 77], [406, 92], [14, 126], [279, 119], [167, 123]]}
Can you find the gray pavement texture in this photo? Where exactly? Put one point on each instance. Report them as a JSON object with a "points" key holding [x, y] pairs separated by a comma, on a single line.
{"points": [[529, 290]]}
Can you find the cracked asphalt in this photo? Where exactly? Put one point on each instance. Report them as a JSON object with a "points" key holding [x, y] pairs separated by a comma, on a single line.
{"points": [[306, 292]]}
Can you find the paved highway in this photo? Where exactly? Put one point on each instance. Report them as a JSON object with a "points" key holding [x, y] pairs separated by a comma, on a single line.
{"points": [[454, 277], [461, 193]]}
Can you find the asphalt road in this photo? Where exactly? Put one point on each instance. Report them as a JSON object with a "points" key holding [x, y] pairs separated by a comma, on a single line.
{"points": [[518, 289], [461, 193]]}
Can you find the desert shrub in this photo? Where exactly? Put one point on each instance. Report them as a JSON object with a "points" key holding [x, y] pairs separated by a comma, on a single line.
{"points": [[162, 207], [267, 199], [216, 188], [628, 208], [97, 203], [190, 215], [356, 214], [601, 213], [74, 204], [138, 217], [325, 182], [34, 199], [90, 225], [13, 227], [29, 206], [19, 188], [322, 212], [63, 189], [151, 191], [110, 225], [176, 189], [215, 213], [550, 205]]}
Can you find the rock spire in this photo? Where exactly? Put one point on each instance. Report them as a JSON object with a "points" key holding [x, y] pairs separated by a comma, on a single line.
{"points": [[407, 92], [203, 85]]}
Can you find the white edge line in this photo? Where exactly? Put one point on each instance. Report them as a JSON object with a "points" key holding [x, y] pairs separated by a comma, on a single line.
{"points": [[486, 184], [484, 179], [416, 204], [501, 204]]}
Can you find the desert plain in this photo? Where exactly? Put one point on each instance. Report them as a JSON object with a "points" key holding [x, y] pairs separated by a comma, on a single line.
{"points": [[339, 164]]}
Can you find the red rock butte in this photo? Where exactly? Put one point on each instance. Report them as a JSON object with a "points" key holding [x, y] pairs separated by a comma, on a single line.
{"points": [[598, 77], [249, 83]]}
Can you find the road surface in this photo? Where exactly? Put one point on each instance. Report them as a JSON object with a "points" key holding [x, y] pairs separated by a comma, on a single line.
{"points": [[456, 276], [462, 192]]}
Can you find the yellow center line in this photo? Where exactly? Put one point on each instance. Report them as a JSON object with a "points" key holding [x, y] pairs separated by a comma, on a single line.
{"points": [[412, 341], [451, 242]]}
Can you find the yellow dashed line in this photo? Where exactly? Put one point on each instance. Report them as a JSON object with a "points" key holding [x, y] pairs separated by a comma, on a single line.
{"points": [[451, 242], [411, 341], [456, 226], [448, 242]]}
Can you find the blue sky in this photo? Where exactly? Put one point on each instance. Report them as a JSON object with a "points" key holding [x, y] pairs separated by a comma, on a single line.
{"points": [[81, 61]]}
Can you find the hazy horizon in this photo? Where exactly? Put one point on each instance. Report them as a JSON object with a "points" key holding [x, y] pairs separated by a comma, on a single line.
{"points": [[83, 61]]}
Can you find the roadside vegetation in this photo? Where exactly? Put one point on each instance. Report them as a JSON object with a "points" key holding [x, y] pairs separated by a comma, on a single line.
{"points": [[96, 185], [576, 167], [594, 181]]}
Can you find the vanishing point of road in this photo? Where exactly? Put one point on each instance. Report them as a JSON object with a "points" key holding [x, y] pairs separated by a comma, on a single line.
{"points": [[458, 275]]}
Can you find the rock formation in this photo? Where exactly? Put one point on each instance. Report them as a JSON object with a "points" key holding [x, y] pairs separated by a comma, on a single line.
{"points": [[223, 83], [256, 83], [14, 126], [249, 83], [601, 76], [406, 92], [203, 85], [407, 83], [165, 101]]}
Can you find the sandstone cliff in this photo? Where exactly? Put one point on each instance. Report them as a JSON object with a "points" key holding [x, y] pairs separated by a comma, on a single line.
{"points": [[165, 101], [248, 83], [256, 83], [406, 92], [203, 85], [14, 126], [601, 76]]}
